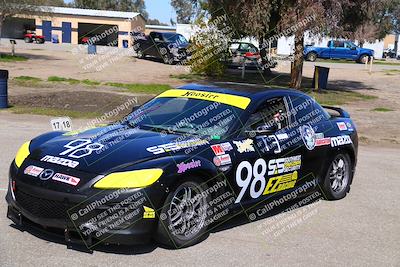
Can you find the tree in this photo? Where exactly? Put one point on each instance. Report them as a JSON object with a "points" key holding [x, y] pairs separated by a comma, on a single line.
{"points": [[11, 8], [186, 10], [269, 19], [156, 22]]}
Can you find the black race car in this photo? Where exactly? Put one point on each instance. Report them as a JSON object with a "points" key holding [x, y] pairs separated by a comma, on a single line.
{"points": [[181, 164]]}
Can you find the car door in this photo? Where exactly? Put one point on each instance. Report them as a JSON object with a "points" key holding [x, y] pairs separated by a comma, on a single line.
{"points": [[339, 50], [351, 50], [263, 167], [309, 135], [155, 39]]}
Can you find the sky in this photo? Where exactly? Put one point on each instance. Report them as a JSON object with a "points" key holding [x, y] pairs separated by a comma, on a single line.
{"points": [[157, 9]]}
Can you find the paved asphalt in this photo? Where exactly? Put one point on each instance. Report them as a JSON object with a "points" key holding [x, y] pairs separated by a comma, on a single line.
{"points": [[360, 230]]}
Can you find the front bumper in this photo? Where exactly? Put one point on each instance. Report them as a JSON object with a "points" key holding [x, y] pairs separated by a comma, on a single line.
{"points": [[82, 218]]}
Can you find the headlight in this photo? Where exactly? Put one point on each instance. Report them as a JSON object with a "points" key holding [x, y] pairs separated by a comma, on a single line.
{"points": [[131, 179], [22, 154]]}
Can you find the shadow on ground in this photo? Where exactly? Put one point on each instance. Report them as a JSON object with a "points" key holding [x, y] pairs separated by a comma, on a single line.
{"points": [[236, 220]]}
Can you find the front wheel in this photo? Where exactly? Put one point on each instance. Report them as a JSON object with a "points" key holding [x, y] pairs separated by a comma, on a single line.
{"points": [[27, 40], [363, 59], [140, 54], [337, 181], [183, 219]]}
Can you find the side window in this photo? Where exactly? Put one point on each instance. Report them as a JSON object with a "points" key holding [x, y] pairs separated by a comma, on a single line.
{"points": [[271, 114], [339, 44], [306, 111]]}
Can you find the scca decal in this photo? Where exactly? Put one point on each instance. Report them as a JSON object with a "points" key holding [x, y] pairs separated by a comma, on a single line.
{"points": [[282, 165], [176, 146]]}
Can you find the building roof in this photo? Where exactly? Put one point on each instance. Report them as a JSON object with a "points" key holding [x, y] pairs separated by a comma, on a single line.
{"points": [[91, 12], [160, 27]]}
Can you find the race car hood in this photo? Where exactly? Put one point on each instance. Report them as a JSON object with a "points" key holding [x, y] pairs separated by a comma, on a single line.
{"points": [[108, 148]]}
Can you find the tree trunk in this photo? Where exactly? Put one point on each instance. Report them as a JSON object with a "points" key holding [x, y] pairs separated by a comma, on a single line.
{"points": [[296, 73], [264, 57], [1, 27]]}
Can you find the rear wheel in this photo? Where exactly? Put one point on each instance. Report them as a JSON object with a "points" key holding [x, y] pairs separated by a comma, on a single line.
{"points": [[182, 220], [312, 56], [337, 181]]}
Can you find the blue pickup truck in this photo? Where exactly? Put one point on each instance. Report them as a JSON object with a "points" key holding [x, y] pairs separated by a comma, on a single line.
{"points": [[338, 50]]}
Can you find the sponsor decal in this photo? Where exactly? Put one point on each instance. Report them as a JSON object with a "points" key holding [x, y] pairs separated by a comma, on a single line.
{"points": [[226, 146], [171, 147], [349, 126], [244, 146], [232, 100], [60, 161], [342, 126], [280, 183], [148, 213], [220, 149], [33, 171], [282, 165], [66, 179], [222, 160], [323, 141], [46, 174], [183, 167], [308, 135], [80, 148], [340, 140]]}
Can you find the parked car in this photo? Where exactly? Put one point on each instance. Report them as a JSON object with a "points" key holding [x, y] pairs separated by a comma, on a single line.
{"points": [[247, 52], [32, 37], [389, 53], [338, 50], [167, 46]]}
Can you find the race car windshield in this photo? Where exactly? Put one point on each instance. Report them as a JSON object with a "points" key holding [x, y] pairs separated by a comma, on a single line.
{"points": [[184, 115]]}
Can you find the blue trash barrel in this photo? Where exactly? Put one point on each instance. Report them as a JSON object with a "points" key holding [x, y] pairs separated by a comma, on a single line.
{"points": [[125, 43], [92, 49], [320, 80], [3, 89]]}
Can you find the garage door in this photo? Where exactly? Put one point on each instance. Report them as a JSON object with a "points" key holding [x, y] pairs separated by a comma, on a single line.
{"points": [[47, 30]]}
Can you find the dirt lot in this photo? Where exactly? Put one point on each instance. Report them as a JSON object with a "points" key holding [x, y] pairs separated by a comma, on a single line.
{"points": [[377, 119]]}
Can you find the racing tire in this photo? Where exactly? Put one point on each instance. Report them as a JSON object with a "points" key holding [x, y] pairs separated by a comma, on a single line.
{"points": [[27, 40], [336, 183], [311, 57], [183, 218]]}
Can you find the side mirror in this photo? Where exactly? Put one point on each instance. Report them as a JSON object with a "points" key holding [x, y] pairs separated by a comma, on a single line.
{"points": [[353, 48]]}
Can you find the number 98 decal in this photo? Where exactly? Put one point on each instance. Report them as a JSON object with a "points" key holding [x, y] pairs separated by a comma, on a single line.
{"points": [[252, 177]]}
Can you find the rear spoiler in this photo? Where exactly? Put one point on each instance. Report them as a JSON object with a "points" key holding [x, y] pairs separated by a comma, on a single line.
{"points": [[342, 112]]}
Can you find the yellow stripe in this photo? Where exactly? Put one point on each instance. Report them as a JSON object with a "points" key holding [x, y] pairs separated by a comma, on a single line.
{"points": [[232, 100]]}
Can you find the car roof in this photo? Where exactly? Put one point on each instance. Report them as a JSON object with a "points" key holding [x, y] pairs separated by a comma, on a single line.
{"points": [[246, 90]]}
